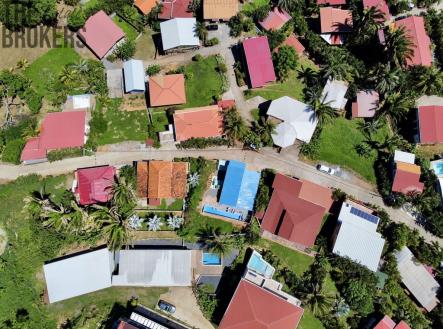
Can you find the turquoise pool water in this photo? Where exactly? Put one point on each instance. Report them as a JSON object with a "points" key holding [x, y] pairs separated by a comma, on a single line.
{"points": [[211, 259], [212, 210], [438, 167], [258, 264]]}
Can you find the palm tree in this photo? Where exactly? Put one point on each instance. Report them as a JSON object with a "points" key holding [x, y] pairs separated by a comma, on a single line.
{"points": [[264, 128], [175, 222], [234, 126], [154, 223], [115, 226], [428, 80], [386, 78], [135, 222], [398, 46], [82, 66], [308, 76], [214, 241], [201, 31], [123, 195], [287, 5], [194, 179], [322, 111], [369, 128], [22, 64], [68, 76], [366, 25], [316, 299], [395, 106], [338, 68]]}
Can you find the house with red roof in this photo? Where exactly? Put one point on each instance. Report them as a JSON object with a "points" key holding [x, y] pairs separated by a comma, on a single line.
{"points": [[295, 211], [167, 90], [292, 41], [380, 5], [415, 30], [100, 34], [259, 302], [335, 23], [275, 20], [200, 122], [175, 9], [145, 6], [59, 130], [331, 2], [366, 104], [258, 61], [430, 124], [388, 323], [93, 185], [407, 174]]}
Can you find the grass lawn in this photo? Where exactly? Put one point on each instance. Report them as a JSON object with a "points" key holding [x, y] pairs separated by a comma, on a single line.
{"points": [[123, 125], [292, 87], [48, 66], [145, 47], [89, 4], [337, 146], [249, 7], [159, 120], [203, 82], [130, 32]]}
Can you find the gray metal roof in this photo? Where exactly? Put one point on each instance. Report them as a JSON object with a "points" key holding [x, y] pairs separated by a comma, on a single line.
{"points": [[154, 268], [417, 279], [78, 275], [134, 75], [334, 93], [179, 32]]}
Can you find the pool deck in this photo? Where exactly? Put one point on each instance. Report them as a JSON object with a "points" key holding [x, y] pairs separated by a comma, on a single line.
{"points": [[200, 269]]}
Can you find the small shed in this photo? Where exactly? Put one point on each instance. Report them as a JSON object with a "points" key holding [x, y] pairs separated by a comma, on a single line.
{"points": [[134, 75]]}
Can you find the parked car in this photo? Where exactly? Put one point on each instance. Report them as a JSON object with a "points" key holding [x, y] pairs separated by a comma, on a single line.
{"points": [[167, 307], [326, 169], [212, 27]]}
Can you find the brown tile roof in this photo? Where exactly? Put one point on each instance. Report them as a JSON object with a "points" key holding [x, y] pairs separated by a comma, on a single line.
{"points": [[334, 20], [167, 90], [219, 9], [145, 6], [162, 179], [407, 178]]}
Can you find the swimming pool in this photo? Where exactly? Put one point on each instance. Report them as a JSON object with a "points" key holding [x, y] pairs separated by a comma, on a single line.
{"points": [[209, 258], [215, 211], [438, 167], [257, 264]]}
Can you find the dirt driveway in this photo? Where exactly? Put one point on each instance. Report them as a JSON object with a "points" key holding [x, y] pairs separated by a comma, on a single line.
{"points": [[187, 309]]}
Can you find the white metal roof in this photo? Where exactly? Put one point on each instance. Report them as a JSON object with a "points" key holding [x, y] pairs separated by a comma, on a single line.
{"points": [[179, 32], [134, 75], [334, 92], [299, 115], [404, 157], [78, 275], [357, 237], [154, 268], [81, 101], [418, 281]]}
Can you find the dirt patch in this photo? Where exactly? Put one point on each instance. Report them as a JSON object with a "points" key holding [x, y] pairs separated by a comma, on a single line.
{"points": [[3, 241], [134, 103]]}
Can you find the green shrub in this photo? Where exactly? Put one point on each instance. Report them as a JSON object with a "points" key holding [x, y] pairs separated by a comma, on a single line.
{"points": [[201, 143], [153, 69], [33, 100], [212, 42], [125, 50], [197, 58], [76, 19], [12, 151], [72, 152]]}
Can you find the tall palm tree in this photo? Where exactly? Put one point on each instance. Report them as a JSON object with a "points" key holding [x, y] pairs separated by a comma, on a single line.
{"points": [[323, 112], [387, 79], [264, 128], [338, 68], [115, 226], [398, 46], [395, 107], [428, 80], [22, 64], [369, 128], [68, 76], [214, 241], [288, 5], [366, 25], [308, 75], [123, 195], [234, 126], [154, 223], [316, 299], [201, 31]]}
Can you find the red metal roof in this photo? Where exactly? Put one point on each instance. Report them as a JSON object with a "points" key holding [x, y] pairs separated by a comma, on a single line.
{"points": [[275, 19], [430, 120], [100, 33], [402, 325], [380, 4], [292, 41], [388, 323], [415, 29], [59, 130], [203, 122], [335, 20], [366, 104], [95, 184], [176, 9], [253, 307], [331, 2], [296, 210], [259, 61], [406, 182], [226, 104]]}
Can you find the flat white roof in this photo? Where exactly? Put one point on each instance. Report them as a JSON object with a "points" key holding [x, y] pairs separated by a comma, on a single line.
{"points": [[357, 237], [417, 279], [134, 74], [334, 92], [81, 101], [78, 275], [154, 268], [404, 157], [179, 32], [295, 113]]}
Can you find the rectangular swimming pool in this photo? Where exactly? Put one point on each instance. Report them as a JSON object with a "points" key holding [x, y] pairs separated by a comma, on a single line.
{"points": [[257, 264], [212, 210], [209, 258]]}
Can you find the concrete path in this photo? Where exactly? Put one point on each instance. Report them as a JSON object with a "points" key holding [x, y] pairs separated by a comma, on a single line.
{"points": [[266, 158]]}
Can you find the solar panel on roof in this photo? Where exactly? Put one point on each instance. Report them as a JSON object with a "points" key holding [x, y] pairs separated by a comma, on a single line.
{"points": [[364, 215]]}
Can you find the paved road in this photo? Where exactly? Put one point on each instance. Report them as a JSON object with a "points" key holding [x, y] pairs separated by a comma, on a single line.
{"points": [[267, 158]]}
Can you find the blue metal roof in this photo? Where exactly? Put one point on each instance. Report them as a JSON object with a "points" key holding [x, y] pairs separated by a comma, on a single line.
{"points": [[134, 75], [240, 186]]}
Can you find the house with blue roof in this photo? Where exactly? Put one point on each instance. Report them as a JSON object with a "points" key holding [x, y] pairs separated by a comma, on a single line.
{"points": [[134, 76], [240, 186]]}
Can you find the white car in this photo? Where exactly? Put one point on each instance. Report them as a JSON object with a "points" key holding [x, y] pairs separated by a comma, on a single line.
{"points": [[326, 169]]}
